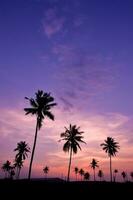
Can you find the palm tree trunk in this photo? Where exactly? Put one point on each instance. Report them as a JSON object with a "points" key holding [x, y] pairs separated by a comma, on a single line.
{"points": [[19, 172], [69, 167], [33, 150], [115, 178], [110, 169], [94, 175]]}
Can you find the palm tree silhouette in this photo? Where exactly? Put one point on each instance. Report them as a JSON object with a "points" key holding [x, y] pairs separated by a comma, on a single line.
{"points": [[23, 149], [131, 174], [100, 174], [76, 170], [6, 167], [72, 136], [18, 164], [87, 176], [93, 165], [115, 173], [40, 107], [81, 172], [46, 170], [12, 172], [111, 147], [124, 175]]}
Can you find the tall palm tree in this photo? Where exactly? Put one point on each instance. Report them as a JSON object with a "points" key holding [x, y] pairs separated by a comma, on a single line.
{"points": [[87, 176], [131, 174], [81, 172], [6, 167], [23, 149], [111, 147], [72, 137], [46, 170], [94, 164], [100, 174], [40, 107], [76, 170], [115, 173]]}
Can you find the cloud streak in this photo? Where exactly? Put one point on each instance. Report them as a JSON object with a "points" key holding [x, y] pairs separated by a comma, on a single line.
{"points": [[82, 74]]}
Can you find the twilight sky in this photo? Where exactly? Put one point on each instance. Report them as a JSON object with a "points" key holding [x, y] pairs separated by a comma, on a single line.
{"points": [[81, 51]]}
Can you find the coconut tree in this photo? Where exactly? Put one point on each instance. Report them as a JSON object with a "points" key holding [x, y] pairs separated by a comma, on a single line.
{"points": [[131, 174], [124, 175], [111, 148], [81, 172], [46, 170], [12, 172], [72, 137], [40, 107], [94, 164], [100, 174], [76, 170], [87, 176], [22, 153], [115, 173], [18, 164], [6, 167]]}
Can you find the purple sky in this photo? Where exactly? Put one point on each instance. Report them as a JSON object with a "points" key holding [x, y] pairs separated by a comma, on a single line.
{"points": [[79, 50]]}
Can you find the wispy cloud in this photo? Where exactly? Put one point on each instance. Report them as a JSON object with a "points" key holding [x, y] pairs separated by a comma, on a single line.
{"points": [[52, 22], [83, 74]]}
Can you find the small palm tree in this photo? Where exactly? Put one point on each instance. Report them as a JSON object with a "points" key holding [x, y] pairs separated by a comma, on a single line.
{"points": [[12, 172], [72, 137], [100, 174], [87, 176], [76, 170], [94, 164], [46, 170], [131, 174], [115, 173], [23, 149], [124, 175], [18, 164], [6, 167], [111, 147], [81, 172], [40, 107]]}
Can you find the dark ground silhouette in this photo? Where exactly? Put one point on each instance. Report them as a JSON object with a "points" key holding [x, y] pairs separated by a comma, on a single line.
{"points": [[58, 189]]}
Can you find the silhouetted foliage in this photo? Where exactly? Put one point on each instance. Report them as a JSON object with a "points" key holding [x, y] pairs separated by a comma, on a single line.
{"points": [[111, 147], [76, 170], [8, 169], [131, 174], [94, 164], [46, 170], [115, 172], [81, 172], [40, 107], [23, 149], [100, 174], [87, 176], [72, 137], [124, 175]]}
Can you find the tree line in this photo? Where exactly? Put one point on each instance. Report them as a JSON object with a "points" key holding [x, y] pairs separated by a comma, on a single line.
{"points": [[41, 106]]}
